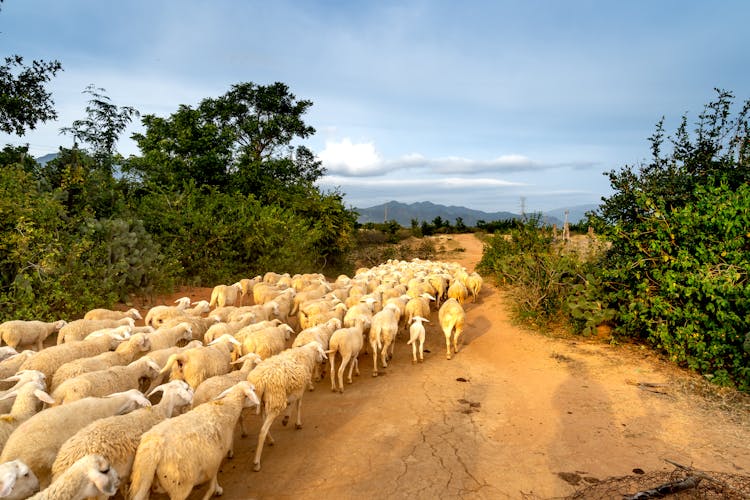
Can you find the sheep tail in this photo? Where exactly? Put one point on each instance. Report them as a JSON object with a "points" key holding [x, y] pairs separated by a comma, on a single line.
{"points": [[144, 469]]}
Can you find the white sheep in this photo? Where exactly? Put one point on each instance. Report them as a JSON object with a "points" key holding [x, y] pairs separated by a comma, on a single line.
{"points": [[155, 312], [112, 314], [265, 292], [161, 356], [246, 285], [81, 328], [11, 365], [99, 383], [231, 328], [20, 378], [116, 438], [265, 342], [197, 364], [26, 404], [213, 386], [458, 291], [321, 334], [199, 326], [418, 306], [383, 333], [188, 449], [50, 359], [474, 285], [33, 333], [260, 312], [170, 336], [6, 352], [451, 316], [347, 342], [223, 313], [279, 381], [165, 315], [37, 440], [17, 481], [225, 295], [416, 335], [125, 353], [90, 476]]}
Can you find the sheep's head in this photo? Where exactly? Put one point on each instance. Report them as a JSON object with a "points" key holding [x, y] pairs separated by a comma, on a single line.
{"points": [[103, 478], [288, 330], [200, 307], [132, 399], [183, 302], [248, 389], [177, 392], [17, 480], [250, 360], [133, 313], [24, 376], [60, 324], [318, 349]]}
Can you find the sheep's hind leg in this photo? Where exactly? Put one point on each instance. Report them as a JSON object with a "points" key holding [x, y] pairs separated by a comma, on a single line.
{"points": [[344, 361], [270, 417], [213, 488], [448, 354], [333, 371], [298, 424]]}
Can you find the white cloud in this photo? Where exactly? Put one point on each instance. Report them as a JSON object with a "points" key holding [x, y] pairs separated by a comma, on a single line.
{"points": [[347, 158], [420, 182]]}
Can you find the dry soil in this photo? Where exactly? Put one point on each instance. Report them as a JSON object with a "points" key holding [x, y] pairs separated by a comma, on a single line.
{"points": [[514, 415]]}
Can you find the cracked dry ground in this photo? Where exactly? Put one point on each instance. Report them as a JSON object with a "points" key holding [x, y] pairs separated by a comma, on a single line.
{"points": [[513, 415]]}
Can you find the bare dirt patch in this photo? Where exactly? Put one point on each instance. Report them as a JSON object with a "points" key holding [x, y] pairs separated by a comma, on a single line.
{"points": [[513, 415]]}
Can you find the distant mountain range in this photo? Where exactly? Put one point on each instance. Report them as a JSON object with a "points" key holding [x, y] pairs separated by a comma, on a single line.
{"points": [[403, 213]]}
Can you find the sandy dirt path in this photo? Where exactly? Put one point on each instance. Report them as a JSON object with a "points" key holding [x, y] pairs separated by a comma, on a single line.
{"points": [[514, 415]]}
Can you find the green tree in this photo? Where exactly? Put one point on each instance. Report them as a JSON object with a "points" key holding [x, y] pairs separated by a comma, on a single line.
{"points": [[102, 126], [24, 101], [678, 270], [717, 151], [241, 140]]}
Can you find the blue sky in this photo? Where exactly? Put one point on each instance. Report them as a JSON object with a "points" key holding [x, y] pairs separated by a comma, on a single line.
{"points": [[476, 103]]}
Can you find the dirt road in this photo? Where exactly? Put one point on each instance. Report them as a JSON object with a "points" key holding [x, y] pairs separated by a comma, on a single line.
{"points": [[513, 415]]}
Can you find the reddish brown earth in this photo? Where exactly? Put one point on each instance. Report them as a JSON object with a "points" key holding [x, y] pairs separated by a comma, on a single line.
{"points": [[511, 416]]}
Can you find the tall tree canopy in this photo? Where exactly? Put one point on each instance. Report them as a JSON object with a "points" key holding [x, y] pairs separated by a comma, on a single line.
{"points": [[241, 141]]}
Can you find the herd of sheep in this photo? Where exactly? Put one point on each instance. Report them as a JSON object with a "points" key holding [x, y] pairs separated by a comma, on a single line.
{"points": [[148, 408]]}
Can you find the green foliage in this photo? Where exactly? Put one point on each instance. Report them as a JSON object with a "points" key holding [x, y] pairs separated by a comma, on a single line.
{"points": [[228, 236], [102, 126], [679, 278], [24, 101], [219, 194], [540, 275], [49, 269], [239, 141], [677, 273]]}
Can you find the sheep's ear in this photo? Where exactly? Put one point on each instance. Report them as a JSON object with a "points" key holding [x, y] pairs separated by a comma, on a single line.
{"points": [[12, 378], [44, 397], [9, 395], [7, 481]]}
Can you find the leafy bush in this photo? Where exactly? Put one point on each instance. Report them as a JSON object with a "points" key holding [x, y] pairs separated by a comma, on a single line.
{"points": [[221, 237], [51, 269], [541, 275], [677, 273], [680, 279]]}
